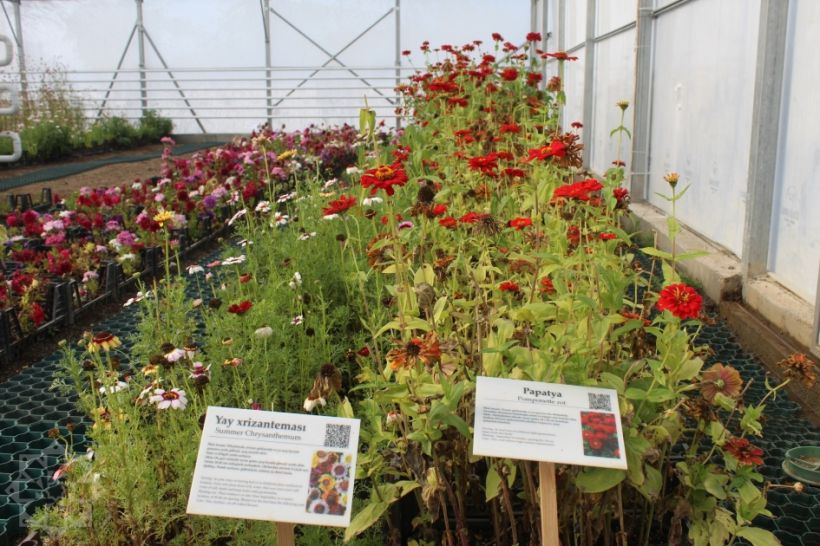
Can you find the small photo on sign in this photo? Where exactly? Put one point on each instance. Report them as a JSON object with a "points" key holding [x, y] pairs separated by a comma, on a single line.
{"points": [[600, 434], [329, 485]]}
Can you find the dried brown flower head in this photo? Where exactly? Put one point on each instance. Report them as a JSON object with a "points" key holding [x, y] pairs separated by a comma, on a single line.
{"points": [[799, 366]]}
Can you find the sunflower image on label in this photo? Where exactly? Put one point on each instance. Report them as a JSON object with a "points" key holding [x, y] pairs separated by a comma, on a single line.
{"points": [[329, 483]]}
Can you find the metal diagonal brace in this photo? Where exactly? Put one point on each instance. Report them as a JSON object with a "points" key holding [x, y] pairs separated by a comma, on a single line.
{"points": [[174, 81], [333, 57], [116, 71]]}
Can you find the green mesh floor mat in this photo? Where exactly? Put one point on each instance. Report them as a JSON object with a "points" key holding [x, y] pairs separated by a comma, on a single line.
{"points": [[60, 171]]}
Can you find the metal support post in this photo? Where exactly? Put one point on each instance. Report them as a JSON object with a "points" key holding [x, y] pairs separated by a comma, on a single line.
{"points": [[21, 54], [141, 48], [589, 81], [397, 11], [642, 102], [268, 95], [771, 55], [545, 34]]}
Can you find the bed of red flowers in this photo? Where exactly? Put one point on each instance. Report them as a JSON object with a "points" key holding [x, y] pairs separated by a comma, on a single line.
{"points": [[80, 248]]}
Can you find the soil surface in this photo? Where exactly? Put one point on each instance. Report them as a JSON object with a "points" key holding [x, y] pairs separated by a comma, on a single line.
{"points": [[109, 175]]}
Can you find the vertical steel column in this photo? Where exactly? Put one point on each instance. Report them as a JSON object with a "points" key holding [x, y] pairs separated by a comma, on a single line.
{"points": [[397, 11], [589, 81], [545, 6], [21, 54], [642, 103], [533, 15], [771, 58], [562, 25], [141, 47], [268, 95]]}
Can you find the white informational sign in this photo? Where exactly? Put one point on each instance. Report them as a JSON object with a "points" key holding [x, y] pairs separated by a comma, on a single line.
{"points": [[548, 422], [283, 467]]}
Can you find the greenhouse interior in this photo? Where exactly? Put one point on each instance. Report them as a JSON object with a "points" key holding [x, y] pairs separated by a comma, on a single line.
{"points": [[409, 272]]}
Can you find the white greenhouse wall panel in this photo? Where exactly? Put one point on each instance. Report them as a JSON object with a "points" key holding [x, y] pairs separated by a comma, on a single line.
{"points": [[703, 84], [575, 24], [612, 14], [614, 81], [574, 89], [795, 244]]}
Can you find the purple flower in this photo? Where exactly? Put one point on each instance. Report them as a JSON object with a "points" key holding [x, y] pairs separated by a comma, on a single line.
{"points": [[209, 201]]}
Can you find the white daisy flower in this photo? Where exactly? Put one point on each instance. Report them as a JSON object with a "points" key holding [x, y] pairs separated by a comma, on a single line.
{"points": [[173, 399]]}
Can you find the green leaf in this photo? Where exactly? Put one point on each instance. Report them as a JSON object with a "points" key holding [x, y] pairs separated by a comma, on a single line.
{"points": [[651, 487], [369, 515], [758, 536], [345, 409], [633, 393], [691, 255], [598, 480], [492, 485], [652, 251], [750, 422], [714, 484]]}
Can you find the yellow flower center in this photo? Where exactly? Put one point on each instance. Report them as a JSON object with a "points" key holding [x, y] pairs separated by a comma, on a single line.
{"points": [[384, 172]]}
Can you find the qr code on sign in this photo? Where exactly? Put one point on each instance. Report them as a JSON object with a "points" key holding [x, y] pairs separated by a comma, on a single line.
{"points": [[337, 436], [599, 401]]}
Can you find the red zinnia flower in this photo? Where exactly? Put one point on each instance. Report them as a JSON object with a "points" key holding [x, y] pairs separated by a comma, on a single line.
{"points": [[384, 177], [520, 223], [509, 286], [561, 56], [607, 236], [555, 148], [439, 209], [742, 450], [471, 218], [513, 172], [497, 37], [240, 308], [487, 164], [449, 222], [578, 190], [547, 287], [681, 300], [509, 128], [339, 205], [621, 195], [37, 314], [533, 36], [509, 74]]}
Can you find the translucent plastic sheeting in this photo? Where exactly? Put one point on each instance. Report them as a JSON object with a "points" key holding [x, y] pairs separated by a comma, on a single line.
{"points": [[703, 85], [794, 252], [91, 35], [574, 87], [575, 22], [612, 14], [614, 81]]}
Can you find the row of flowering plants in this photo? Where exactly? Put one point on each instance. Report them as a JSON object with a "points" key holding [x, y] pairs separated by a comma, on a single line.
{"points": [[471, 243], [82, 233]]}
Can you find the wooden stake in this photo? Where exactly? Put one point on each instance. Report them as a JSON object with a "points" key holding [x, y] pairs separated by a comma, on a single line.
{"points": [[549, 504], [284, 534]]}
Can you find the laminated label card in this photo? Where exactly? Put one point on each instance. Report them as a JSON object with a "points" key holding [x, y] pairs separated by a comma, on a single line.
{"points": [[282, 467], [548, 422]]}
